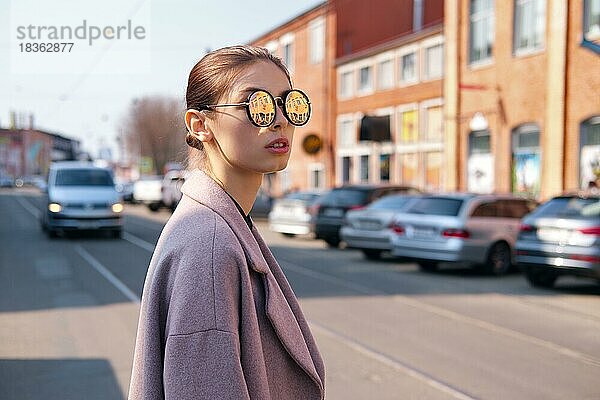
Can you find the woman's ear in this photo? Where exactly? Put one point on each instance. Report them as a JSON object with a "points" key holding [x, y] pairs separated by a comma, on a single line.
{"points": [[195, 121]]}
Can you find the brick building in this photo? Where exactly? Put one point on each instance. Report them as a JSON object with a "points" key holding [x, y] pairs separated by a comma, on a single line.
{"points": [[522, 103], [26, 152], [306, 44], [389, 92]]}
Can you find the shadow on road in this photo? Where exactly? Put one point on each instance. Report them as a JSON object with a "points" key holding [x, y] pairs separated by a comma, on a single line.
{"points": [[58, 379]]}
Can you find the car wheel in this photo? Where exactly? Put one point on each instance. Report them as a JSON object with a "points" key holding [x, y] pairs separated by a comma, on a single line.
{"points": [[540, 278], [154, 207], [371, 254], [332, 242], [499, 259], [428, 266], [116, 233], [52, 233], [288, 234]]}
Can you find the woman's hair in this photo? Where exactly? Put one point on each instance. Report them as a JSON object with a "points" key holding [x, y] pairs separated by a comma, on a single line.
{"points": [[213, 77]]}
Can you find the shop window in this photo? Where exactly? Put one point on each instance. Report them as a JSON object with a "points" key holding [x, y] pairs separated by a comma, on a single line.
{"points": [[589, 156], [526, 160], [480, 163]]}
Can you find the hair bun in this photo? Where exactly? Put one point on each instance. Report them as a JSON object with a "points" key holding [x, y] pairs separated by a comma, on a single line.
{"points": [[193, 142]]}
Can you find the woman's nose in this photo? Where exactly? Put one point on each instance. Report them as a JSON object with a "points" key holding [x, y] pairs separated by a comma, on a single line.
{"points": [[281, 121]]}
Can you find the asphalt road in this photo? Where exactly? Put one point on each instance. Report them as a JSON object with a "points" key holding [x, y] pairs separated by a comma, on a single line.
{"points": [[69, 309]]}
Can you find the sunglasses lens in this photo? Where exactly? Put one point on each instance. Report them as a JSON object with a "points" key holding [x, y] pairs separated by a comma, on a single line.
{"points": [[262, 108], [297, 107]]}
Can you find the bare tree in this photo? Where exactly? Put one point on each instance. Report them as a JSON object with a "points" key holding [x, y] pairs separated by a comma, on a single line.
{"points": [[153, 127]]}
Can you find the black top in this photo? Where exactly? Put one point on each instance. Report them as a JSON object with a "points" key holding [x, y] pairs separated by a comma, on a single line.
{"points": [[246, 217]]}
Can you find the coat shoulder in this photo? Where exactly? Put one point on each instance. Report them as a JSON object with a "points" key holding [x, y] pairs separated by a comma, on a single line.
{"points": [[200, 257]]}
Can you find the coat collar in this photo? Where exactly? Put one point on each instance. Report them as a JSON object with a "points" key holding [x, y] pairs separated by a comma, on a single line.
{"points": [[203, 189]]}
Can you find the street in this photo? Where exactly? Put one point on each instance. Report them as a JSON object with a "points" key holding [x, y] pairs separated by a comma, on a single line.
{"points": [[69, 309]]}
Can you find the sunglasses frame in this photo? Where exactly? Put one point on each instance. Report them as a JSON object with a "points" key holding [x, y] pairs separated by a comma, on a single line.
{"points": [[280, 104]]}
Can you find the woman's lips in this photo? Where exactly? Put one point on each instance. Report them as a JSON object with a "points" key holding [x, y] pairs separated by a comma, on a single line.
{"points": [[278, 146]]}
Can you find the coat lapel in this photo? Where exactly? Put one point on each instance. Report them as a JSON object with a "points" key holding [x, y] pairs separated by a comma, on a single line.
{"points": [[200, 187]]}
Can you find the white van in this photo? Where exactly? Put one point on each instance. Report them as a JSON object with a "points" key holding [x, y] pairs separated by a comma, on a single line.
{"points": [[81, 196]]}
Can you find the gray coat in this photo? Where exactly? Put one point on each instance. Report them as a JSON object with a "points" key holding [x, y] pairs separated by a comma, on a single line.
{"points": [[218, 318]]}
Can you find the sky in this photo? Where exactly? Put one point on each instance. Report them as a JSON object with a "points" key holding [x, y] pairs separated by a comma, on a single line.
{"points": [[85, 94]]}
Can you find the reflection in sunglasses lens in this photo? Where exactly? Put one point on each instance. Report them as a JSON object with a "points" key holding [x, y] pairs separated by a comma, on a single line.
{"points": [[297, 107], [262, 108]]}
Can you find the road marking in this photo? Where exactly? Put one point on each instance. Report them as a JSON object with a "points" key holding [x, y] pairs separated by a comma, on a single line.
{"points": [[138, 242], [29, 207], [391, 362], [107, 274], [574, 354]]}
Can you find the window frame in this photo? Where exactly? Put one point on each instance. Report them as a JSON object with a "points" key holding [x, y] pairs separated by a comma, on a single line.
{"points": [[404, 51], [425, 46], [484, 16], [524, 51], [316, 57]]}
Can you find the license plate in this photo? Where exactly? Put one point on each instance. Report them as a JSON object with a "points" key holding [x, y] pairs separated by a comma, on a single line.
{"points": [[88, 225], [423, 232], [333, 212], [553, 234], [369, 225]]}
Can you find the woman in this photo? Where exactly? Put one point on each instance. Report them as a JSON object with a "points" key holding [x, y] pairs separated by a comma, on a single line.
{"points": [[218, 318]]}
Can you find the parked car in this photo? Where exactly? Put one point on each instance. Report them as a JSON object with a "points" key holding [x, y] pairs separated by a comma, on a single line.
{"points": [[148, 190], [262, 204], [81, 196], [561, 237], [466, 228], [370, 229], [6, 181], [125, 189], [332, 207], [171, 188], [290, 215]]}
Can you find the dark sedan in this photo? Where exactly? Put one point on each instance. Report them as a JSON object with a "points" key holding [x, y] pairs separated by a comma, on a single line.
{"points": [[332, 207]]}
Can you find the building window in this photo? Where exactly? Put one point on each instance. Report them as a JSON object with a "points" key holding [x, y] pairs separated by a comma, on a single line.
{"points": [[346, 84], [347, 134], [365, 79], [384, 167], [271, 46], [530, 25], [346, 169], [408, 68], [317, 176], [408, 126], [417, 15], [591, 17], [481, 33], [317, 40], [409, 164], [526, 164], [433, 124], [433, 171], [480, 164], [364, 168], [288, 56], [434, 62], [385, 74], [589, 156]]}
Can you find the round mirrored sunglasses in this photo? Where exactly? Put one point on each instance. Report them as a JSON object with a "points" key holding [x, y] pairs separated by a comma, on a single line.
{"points": [[261, 107]]}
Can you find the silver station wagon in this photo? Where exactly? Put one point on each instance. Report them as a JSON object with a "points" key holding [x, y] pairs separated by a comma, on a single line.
{"points": [[561, 237], [475, 229]]}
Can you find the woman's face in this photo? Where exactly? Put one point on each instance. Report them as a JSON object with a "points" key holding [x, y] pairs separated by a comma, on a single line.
{"points": [[245, 146]]}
